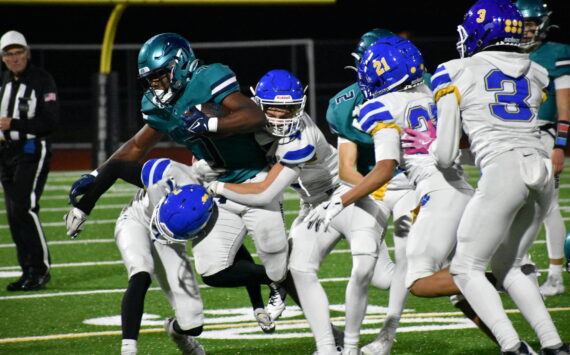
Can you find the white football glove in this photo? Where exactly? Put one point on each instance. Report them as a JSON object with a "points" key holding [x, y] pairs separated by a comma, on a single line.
{"points": [[215, 188], [324, 213], [74, 221], [205, 173]]}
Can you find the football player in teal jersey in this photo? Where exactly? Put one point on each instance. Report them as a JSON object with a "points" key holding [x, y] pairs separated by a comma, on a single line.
{"points": [[179, 89], [554, 116], [356, 159]]}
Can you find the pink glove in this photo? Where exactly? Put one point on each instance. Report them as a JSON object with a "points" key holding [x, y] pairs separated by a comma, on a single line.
{"points": [[416, 142]]}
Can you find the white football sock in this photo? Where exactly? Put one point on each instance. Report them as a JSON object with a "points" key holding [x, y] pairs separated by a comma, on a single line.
{"points": [[555, 270], [526, 295], [486, 302], [398, 291], [315, 306], [356, 299]]}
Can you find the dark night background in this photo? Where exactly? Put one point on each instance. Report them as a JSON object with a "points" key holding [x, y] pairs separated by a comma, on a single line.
{"points": [[334, 28]]}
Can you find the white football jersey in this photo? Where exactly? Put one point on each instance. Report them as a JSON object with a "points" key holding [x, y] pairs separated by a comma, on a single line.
{"points": [[399, 110], [499, 94], [309, 150]]}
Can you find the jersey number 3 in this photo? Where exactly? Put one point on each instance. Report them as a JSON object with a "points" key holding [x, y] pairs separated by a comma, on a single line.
{"points": [[510, 98]]}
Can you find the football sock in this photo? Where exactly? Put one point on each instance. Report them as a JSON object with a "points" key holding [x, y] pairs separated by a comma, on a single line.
{"points": [[525, 293], [315, 306], [486, 302], [555, 270], [356, 299], [555, 232], [132, 305]]}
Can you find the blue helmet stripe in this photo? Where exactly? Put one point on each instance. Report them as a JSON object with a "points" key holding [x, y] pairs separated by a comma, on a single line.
{"points": [[299, 156], [153, 170]]}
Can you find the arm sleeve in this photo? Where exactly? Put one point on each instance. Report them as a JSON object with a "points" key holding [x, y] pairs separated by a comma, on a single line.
{"points": [[445, 149], [116, 169], [277, 186], [47, 113], [387, 145]]}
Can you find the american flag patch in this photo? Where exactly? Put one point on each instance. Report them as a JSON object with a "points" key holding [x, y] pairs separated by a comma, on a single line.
{"points": [[50, 96]]}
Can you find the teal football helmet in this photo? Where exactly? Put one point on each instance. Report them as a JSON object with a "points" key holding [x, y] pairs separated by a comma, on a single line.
{"points": [[365, 41], [537, 11], [167, 56]]}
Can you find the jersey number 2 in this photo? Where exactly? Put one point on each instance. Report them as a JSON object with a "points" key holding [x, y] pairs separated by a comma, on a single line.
{"points": [[511, 97], [419, 115]]}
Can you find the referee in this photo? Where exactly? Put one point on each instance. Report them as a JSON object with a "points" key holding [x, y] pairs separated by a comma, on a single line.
{"points": [[28, 115]]}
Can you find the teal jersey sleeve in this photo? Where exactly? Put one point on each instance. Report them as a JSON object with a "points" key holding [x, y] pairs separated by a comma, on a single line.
{"points": [[427, 79], [555, 57], [339, 118], [239, 154]]}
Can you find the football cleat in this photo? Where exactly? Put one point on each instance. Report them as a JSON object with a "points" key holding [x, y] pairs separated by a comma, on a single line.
{"points": [[524, 349], [564, 349], [129, 349], [554, 285], [384, 341], [186, 343], [276, 304], [264, 321]]}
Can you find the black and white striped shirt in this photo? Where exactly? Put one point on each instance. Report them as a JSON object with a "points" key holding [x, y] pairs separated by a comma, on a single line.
{"points": [[31, 102]]}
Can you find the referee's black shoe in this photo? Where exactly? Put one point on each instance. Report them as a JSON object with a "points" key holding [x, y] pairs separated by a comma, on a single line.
{"points": [[17, 285], [36, 282]]}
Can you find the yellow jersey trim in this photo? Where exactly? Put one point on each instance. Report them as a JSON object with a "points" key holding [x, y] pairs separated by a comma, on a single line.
{"points": [[446, 91]]}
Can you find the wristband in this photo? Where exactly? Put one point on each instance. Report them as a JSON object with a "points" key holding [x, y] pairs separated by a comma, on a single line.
{"points": [[94, 173], [561, 139], [213, 124]]}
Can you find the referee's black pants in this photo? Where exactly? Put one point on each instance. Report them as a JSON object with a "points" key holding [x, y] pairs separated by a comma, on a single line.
{"points": [[23, 176]]}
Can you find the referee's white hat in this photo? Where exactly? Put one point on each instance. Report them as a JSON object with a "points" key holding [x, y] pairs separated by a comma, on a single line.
{"points": [[12, 38]]}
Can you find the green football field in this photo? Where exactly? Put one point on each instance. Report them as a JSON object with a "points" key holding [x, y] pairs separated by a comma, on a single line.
{"points": [[79, 312]]}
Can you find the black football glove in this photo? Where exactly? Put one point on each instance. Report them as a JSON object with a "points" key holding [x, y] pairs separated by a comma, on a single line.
{"points": [[80, 187], [195, 121]]}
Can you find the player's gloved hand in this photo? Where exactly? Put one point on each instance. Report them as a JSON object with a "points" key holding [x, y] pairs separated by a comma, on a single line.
{"points": [[80, 187], [205, 173], [195, 121], [74, 221], [324, 213], [415, 142], [215, 188]]}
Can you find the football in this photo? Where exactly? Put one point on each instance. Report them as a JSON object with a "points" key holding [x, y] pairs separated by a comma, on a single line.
{"points": [[213, 110]]}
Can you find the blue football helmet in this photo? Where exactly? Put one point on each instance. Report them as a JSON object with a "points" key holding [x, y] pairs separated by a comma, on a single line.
{"points": [[281, 90], [182, 214], [535, 11], [365, 41], [166, 56], [489, 23], [390, 64]]}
